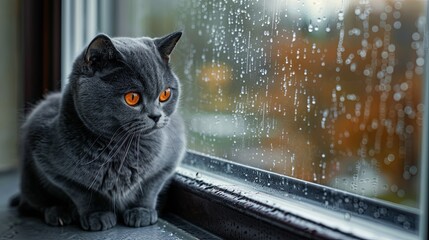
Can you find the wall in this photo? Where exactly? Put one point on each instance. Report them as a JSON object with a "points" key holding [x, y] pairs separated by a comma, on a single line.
{"points": [[9, 82]]}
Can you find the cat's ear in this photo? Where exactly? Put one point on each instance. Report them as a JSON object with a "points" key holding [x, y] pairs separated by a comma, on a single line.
{"points": [[100, 49], [166, 44]]}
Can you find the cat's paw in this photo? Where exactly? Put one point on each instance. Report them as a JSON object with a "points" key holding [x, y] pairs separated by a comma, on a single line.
{"points": [[140, 217], [98, 221], [57, 216]]}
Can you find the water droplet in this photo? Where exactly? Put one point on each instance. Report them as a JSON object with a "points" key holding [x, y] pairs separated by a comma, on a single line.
{"points": [[310, 27], [340, 15], [413, 170], [347, 216], [338, 88]]}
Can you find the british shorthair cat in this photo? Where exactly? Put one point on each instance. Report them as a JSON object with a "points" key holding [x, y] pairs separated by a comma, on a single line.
{"points": [[102, 150]]}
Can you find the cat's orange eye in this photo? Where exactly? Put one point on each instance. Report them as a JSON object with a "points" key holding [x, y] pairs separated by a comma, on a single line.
{"points": [[165, 95], [132, 98]]}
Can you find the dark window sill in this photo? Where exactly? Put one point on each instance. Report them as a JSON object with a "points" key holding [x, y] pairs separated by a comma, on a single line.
{"points": [[231, 215], [211, 194]]}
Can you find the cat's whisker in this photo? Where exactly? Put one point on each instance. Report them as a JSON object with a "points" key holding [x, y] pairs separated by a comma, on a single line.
{"points": [[90, 199], [115, 152], [124, 157], [114, 205], [92, 145], [138, 146], [141, 190], [127, 134], [122, 141], [125, 154], [115, 135], [107, 160], [123, 134], [95, 178], [112, 139]]}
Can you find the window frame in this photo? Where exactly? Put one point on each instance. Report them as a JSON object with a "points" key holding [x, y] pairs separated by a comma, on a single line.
{"points": [[215, 187], [424, 165], [41, 50]]}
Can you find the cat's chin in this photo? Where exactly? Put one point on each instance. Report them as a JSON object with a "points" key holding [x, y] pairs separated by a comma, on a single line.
{"points": [[160, 125], [150, 131]]}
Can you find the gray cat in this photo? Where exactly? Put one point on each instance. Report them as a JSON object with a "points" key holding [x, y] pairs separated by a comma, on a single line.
{"points": [[103, 149]]}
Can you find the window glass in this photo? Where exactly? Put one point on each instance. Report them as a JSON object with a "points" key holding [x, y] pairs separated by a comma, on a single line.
{"points": [[328, 93]]}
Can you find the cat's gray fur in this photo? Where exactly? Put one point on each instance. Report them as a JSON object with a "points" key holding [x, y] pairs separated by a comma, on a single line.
{"points": [[91, 158]]}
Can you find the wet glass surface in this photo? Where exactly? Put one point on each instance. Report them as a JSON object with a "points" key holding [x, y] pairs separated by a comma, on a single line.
{"points": [[328, 93]]}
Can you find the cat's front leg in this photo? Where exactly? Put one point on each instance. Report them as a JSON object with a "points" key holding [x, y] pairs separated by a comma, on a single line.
{"points": [[97, 220], [95, 211], [140, 217], [142, 212], [57, 216]]}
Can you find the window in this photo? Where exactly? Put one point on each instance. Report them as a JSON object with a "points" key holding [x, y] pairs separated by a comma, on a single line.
{"points": [[327, 97]]}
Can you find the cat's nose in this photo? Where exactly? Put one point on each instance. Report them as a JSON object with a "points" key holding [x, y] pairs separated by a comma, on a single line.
{"points": [[155, 117]]}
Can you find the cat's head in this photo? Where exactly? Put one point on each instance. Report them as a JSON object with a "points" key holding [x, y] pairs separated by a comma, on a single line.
{"points": [[125, 84]]}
